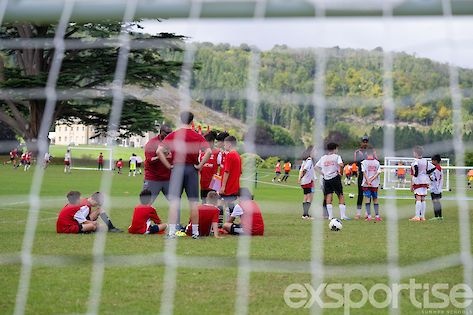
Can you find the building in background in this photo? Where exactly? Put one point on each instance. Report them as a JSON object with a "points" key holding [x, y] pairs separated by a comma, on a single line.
{"points": [[80, 134]]}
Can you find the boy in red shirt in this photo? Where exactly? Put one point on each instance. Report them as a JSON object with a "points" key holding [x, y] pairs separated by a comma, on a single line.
{"points": [[231, 173], [208, 169], [78, 217], [208, 217], [100, 161], [145, 215], [251, 220], [119, 165]]}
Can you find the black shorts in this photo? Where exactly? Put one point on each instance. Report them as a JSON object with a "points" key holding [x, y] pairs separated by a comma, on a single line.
{"points": [[184, 177], [308, 190], [436, 196], [333, 185], [236, 229]]}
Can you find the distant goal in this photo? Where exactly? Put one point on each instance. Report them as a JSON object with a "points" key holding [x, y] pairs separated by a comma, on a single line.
{"points": [[86, 158], [397, 174]]}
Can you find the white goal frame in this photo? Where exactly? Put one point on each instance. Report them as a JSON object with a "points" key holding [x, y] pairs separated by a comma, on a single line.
{"points": [[389, 169], [106, 167]]}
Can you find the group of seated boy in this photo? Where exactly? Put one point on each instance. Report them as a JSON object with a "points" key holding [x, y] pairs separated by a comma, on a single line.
{"points": [[80, 216]]}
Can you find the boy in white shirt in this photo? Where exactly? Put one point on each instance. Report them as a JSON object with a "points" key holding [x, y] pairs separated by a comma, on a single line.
{"points": [[436, 183], [330, 166], [420, 170], [306, 180], [370, 168]]}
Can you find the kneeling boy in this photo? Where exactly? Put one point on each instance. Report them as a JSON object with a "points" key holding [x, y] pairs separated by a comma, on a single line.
{"points": [[208, 216]]}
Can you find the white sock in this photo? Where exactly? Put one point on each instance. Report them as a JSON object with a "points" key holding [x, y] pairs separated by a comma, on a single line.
{"points": [[330, 211], [358, 211], [343, 209], [418, 208], [195, 229], [172, 229], [423, 209]]}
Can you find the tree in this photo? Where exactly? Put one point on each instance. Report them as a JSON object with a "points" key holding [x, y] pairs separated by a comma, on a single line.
{"points": [[271, 140], [7, 139], [83, 69]]}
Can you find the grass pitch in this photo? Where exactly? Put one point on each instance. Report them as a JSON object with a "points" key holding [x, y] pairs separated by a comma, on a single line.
{"points": [[208, 273]]}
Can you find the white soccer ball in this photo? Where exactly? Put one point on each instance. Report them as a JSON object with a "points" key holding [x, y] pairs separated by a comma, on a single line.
{"points": [[335, 224], [351, 195]]}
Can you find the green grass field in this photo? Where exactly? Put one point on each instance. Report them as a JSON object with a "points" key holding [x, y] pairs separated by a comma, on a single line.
{"points": [[88, 158], [208, 273]]}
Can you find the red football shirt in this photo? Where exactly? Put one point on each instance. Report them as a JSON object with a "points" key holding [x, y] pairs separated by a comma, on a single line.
{"points": [[141, 215], [252, 220], [233, 168], [208, 214], [65, 222], [209, 169], [155, 170], [185, 145]]}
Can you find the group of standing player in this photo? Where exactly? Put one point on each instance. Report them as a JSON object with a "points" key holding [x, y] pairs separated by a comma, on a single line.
{"points": [[425, 175], [183, 154]]}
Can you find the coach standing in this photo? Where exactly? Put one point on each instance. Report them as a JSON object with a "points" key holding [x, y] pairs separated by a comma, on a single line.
{"points": [[360, 155], [184, 145], [156, 174]]}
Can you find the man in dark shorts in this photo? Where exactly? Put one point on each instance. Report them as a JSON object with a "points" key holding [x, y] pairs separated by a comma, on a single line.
{"points": [[184, 145], [359, 156]]}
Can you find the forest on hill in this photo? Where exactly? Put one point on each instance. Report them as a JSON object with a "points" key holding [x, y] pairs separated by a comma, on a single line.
{"points": [[353, 88]]}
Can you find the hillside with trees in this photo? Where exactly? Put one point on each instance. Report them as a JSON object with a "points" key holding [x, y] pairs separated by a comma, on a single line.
{"points": [[353, 91]]}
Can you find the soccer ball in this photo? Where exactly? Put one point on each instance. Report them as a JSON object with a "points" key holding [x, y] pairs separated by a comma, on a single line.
{"points": [[351, 195], [335, 224]]}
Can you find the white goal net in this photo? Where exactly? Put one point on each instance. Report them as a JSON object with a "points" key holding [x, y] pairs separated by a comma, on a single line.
{"points": [[87, 158], [260, 283]]}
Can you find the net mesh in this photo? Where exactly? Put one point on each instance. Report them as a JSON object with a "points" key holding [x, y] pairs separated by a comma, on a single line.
{"points": [[127, 11]]}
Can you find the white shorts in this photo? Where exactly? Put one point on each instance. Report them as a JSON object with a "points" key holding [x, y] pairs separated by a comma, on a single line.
{"points": [[422, 191]]}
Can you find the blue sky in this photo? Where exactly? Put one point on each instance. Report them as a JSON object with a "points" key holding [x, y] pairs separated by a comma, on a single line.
{"points": [[442, 39]]}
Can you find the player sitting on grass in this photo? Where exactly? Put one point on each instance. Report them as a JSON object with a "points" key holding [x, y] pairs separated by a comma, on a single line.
{"points": [[96, 200], [370, 168], [251, 220], [208, 216], [145, 219], [76, 217]]}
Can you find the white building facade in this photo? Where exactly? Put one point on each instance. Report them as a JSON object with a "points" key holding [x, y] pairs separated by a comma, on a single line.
{"points": [[80, 134]]}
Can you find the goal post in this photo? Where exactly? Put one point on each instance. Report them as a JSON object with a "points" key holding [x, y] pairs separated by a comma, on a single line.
{"points": [[313, 264], [86, 158], [87, 10], [397, 172]]}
